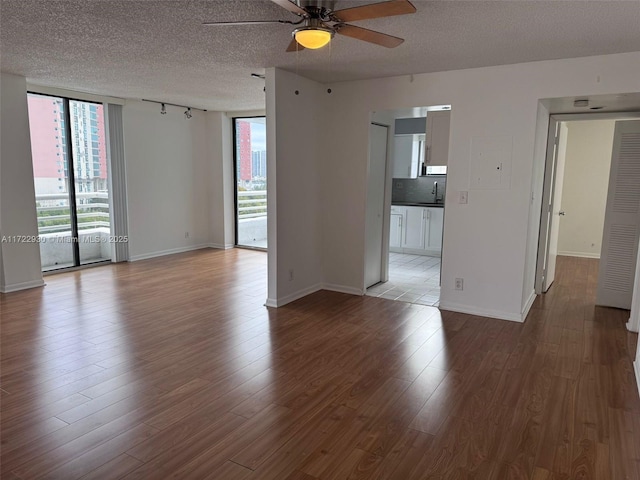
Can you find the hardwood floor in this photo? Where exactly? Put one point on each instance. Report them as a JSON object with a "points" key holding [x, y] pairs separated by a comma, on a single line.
{"points": [[172, 368]]}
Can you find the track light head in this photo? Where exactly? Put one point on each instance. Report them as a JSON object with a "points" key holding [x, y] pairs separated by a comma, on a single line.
{"points": [[163, 107]]}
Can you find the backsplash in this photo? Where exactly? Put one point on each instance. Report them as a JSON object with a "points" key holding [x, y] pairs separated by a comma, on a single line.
{"points": [[418, 190]]}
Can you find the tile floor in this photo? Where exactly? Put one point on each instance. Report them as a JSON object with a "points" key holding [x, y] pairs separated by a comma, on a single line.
{"points": [[412, 279]]}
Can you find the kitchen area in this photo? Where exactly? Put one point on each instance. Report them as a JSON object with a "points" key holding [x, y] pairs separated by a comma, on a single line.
{"points": [[419, 154]]}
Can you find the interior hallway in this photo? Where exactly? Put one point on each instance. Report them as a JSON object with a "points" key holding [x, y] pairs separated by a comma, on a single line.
{"points": [[171, 367]]}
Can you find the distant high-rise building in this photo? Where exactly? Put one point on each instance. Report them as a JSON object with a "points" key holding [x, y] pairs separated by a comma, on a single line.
{"points": [[46, 121], [243, 147], [263, 163], [87, 133], [259, 164], [49, 145]]}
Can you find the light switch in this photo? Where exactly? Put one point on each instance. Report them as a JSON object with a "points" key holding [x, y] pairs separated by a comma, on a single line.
{"points": [[464, 197]]}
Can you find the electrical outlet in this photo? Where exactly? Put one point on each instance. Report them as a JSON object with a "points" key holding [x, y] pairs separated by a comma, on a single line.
{"points": [[464, 198], [459, 283], [291, 275], [186, 234]]}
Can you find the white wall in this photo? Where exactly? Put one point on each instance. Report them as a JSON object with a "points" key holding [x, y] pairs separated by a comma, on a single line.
{"points": [[490, 242], [20, 262], [584, 191], [221, 183], [168, 172], [295, 151]]}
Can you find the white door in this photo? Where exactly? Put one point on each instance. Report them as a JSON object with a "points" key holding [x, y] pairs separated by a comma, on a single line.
{"points": [[375, 204], [556, 206], [548, 220], [621, 220]]}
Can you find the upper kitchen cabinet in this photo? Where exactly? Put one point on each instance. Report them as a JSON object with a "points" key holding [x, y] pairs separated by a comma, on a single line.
{"points": [[437, 148]]}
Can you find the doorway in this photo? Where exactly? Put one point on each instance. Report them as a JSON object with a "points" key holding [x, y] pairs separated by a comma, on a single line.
{"points": [[407, 184], [250, 170], [71, 178], [582, 193]]}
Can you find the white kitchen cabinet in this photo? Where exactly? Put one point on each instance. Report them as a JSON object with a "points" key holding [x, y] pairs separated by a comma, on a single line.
{"points": [[435, 218], [395, 235], [414, 228], [437, 149]]}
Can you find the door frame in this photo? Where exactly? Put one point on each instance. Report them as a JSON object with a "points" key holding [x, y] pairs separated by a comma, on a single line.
{"points": [[234, 139], [549, 181]]}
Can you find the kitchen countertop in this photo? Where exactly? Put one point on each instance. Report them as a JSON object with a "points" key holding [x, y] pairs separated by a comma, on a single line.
{"points": [[413, 204]]}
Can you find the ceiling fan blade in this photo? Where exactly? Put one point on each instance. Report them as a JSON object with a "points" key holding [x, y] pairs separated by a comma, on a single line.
{"points": [[370, 36], [248, 22], [375, 10], [292, 7], [294, 46]]}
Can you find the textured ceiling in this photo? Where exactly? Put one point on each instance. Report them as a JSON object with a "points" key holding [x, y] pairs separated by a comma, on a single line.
{"points": [[160, 50]]}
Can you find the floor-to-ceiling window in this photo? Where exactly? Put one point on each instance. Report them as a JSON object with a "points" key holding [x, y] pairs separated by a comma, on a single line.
{"points": [[71, 181], [250, 156]]}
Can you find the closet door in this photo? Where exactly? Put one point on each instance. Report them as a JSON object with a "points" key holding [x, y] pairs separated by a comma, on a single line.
{"points": [[622, 219], [375, 204]]}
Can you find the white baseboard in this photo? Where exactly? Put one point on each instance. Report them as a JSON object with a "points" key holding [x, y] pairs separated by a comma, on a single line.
{"points": [[528, 305], [636, 367], [271, 302], [279, 302], [579, 254], [514, 317], [22, 286], [456, 307], [220, 246], [170, 251], [631, 327], [343, 289]]}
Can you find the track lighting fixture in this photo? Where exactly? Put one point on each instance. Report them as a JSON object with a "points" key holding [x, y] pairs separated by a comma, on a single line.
{"points": [[163, 108]]}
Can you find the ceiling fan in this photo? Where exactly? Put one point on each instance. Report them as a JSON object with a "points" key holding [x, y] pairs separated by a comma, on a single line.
{"points": [[319, 22]]}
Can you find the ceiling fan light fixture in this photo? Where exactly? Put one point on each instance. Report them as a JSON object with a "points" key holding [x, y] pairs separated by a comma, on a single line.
{"points": [[313, 37]]}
